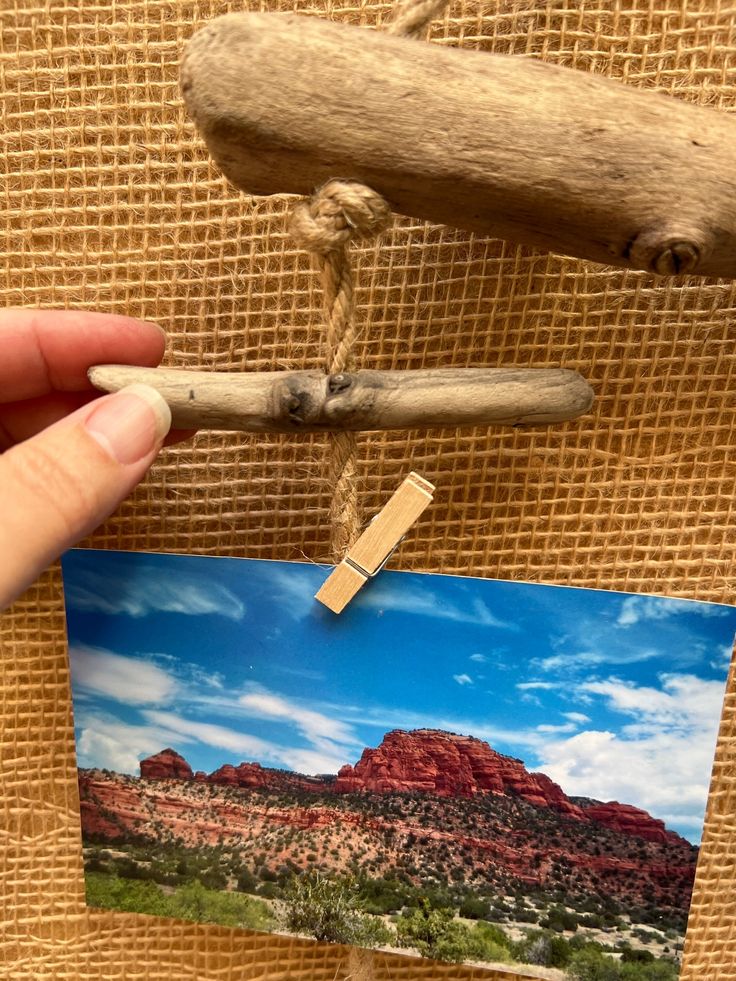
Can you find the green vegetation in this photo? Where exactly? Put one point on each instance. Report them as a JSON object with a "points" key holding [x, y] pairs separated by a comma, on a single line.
{"points": [[592, 965], [435, 933], [190, 902], [329, 909], [452, 919]]}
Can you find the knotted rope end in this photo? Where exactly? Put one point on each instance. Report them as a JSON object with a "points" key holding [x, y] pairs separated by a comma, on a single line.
{"points": [[338, 212]]}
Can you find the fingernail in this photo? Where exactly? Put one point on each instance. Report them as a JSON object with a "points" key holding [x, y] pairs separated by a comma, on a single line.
{"points": [[131, 423], [159, 328]]}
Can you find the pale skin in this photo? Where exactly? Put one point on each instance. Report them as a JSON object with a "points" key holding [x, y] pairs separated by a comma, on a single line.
{"points": [[68, 457]]}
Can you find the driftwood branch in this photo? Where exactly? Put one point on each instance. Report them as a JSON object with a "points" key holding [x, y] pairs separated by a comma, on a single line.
{"points": [[311, 401], [504, 145]]}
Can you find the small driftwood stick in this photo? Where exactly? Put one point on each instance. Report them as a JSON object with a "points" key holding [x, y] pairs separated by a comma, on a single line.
{"points": [[505, 145], [311, 401]]}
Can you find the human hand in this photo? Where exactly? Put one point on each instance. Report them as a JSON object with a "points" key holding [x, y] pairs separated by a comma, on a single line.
{"points": [[68, 456]]}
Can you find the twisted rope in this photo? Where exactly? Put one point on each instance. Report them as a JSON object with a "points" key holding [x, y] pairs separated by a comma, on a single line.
{"points": [[338, 213], [412, 18]]}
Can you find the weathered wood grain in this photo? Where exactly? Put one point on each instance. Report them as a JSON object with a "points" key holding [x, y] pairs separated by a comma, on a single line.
{"points": [[311, 401], [504, 145]]}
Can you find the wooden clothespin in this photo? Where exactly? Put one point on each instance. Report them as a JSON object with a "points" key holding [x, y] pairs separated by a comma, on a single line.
{"points": [[371, 551]]}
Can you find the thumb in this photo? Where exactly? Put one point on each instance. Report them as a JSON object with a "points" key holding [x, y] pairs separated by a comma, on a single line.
{"points": [[58, 486]]}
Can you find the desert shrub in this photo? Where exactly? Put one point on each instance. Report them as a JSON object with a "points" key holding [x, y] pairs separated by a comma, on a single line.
{"points": [[488, 942], [213, 879], [543, 948], [129, 895], [493, 933], [631, 956], [329, 909], [560, 920], [522, 914], [190, 902], [246, 882], [195, 902], [474, 908], [660, 970], [434, 932], [383, 895], [591, 965]]}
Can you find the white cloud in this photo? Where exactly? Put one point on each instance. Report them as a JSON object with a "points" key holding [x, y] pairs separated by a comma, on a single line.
{"points": [[311, 761], [577, 717], [660, 761], [131, 680], [662, 774], [541, 685], [323, 756], [530, 699], [479, 658], [684, 702], [723, 658], [463, 679], [295, 593], [384, 718], [565, 727], [110, 744], [591, 659], [423, 602], [214, 735], [314, 726], [144, 592], [637, 608]]}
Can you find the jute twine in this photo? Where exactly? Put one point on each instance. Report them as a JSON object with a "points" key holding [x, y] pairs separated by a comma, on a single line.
{"points": [[338, 213]]}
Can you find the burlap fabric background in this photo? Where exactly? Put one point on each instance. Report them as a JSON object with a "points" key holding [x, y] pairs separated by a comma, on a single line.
{"points": [[109, 203]]}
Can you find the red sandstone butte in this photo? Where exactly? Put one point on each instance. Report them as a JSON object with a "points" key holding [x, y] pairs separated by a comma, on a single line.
{"points": [[446, 765], [429, 761], [166, 765], [243, 775], [631, 820]]}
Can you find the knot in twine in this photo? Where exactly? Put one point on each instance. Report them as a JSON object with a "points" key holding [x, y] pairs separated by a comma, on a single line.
{"points": [[324, 225], [340, 211]]}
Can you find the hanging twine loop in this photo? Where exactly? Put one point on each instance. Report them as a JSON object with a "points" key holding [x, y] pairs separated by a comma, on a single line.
{"points": [[324, 225], [338, 213], [412, 18]]}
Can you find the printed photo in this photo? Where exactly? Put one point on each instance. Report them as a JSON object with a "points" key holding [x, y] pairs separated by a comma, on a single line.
{"points": [[505, 774]]}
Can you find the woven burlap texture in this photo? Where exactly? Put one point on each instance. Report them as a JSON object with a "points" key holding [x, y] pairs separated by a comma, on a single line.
{"points": [[110, 203]]}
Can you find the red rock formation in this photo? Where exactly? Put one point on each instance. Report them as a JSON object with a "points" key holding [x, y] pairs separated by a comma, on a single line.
{"points": [[454, 834], [166, 765], [243, 775], [446, 765], [429, 761], [631, 820]]}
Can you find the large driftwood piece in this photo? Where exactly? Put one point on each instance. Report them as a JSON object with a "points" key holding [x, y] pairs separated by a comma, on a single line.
{"points": [[311, 401], [504, 145]]}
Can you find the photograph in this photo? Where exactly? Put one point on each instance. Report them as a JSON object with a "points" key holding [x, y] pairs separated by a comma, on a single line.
{"points": [[505, 774]]}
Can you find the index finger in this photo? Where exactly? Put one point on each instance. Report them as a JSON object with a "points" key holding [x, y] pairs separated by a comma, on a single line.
{"points": [[42, 351]]}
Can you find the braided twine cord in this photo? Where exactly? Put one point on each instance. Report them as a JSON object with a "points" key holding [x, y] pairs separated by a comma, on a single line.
{"points": [[338, 213]]}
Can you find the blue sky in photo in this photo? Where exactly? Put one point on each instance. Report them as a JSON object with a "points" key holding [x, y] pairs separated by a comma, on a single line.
{"points": [[614, 696]]}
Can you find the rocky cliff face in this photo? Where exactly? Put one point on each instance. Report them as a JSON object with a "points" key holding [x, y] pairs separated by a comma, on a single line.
{"points": [[630, 820], [446, 765], [169, 765], [166, 765], [490, 841], [426, 761]]}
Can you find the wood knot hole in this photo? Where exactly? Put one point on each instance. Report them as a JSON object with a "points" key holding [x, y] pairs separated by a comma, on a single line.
{"points": [[677, 258], [339, 383]]}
